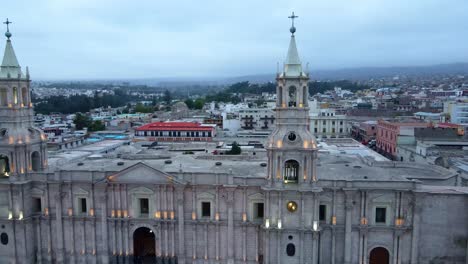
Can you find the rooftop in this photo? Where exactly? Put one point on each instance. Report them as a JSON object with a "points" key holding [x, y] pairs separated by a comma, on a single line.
{"points": [[178, 126]]}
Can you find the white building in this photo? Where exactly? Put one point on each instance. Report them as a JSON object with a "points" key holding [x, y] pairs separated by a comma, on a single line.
{"points": [[458, 112], [325, 123]]}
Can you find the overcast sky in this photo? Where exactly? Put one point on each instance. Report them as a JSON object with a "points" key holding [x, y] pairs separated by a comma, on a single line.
{"points": [[78, 39]]}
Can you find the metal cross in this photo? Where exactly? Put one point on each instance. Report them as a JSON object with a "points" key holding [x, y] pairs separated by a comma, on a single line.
{"points": [[292, 17], [7, 23]]}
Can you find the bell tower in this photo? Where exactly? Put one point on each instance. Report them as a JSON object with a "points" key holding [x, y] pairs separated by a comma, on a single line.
{"points": [[292, 149], [23, 148]]}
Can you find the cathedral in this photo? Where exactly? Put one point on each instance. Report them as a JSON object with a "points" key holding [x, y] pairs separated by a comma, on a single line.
{"points": [[294, 204]]}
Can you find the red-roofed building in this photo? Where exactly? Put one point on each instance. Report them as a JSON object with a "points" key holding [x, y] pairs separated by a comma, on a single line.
{"points": [[176, 131]]}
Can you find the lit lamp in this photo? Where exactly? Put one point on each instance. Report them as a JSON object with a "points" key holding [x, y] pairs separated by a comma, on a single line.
{"points": [[194, 216], [267, 223], [20, 215], [315, 226], [91, 212], [70, 212], [333, 220], [165, 214], [172, 215], [10, 215], [244, 217], [279, 224], [399, 221], [364, 221], [46, 211]]}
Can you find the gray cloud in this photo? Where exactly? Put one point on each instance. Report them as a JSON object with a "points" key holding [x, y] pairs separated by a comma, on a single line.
{"points": [[137, 39]]}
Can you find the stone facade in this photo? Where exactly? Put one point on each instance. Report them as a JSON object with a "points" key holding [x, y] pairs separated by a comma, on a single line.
{"points": [[298, 206]]}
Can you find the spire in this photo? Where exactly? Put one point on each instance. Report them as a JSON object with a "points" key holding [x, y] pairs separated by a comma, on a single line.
{"points": [[10, 67], [293, 66]]}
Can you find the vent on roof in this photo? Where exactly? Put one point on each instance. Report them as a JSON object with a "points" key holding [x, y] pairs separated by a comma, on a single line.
{"points": [[365, 177], [263, 164], [357, 167], [80, 164], [218, 163], [168, 161], [120, 163]]}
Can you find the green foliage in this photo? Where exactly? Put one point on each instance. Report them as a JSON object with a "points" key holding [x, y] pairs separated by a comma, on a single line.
{"points": [[321, 87], [81, 121], [199, 103], [190, 104], [235, 149], [167, 97], [96, 126], [80, 103], [140, 108]]}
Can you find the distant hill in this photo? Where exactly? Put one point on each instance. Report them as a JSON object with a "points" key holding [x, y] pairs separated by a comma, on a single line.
{"points": [[368, 73], [352, 74]]}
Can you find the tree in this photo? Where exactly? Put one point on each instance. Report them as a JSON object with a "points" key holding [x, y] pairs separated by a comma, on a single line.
{"points": [[189, 103], [199, 103], [235, 149], [81, 121], [97, 126], [167, 97], [140, 108]]}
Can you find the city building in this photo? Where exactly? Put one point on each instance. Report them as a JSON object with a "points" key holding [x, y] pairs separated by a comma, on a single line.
{"points": [[364, 131], [297, 204], [257, 118], [457, 111], [176, 131], [326, 123], [389, 133]]}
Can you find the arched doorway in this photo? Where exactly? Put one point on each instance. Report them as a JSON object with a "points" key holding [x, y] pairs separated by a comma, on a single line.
{"points": [[144, 246], [379, 255], [36, 161]]}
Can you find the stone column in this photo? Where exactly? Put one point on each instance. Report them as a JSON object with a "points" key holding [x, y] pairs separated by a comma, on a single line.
{"points": [[348, 227], [59, 225], [417, 208], [315, 251], [105, 238], [181, 229], [230, 242]]}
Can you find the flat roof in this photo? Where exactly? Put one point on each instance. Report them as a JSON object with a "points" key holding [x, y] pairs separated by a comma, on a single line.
{"points": [[177, 126]]}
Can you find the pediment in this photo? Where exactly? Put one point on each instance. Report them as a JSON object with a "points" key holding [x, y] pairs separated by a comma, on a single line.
{"points": [[36, 191], [256, 196], [80, 191], [142, 173]]}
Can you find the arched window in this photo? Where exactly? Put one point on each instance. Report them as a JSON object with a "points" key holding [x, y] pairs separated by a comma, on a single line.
{"points": [[15, 95], [36, 161], [24, 96], [291, 171], [292, 96], [280, 96], [4, 166], [3, 97]]}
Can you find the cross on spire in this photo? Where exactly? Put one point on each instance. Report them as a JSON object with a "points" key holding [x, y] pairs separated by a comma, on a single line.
{"points": [[7, 23], [292, 17]]}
